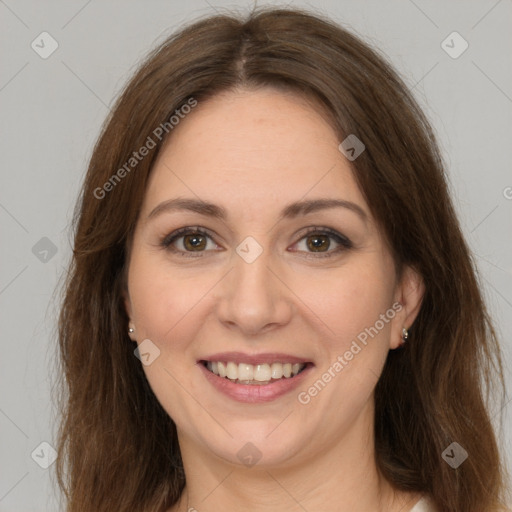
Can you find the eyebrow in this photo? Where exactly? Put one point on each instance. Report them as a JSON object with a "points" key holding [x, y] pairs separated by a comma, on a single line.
{"points": [[290, 211]]}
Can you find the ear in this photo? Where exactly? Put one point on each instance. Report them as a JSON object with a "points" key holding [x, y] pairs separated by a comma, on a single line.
{"points": [[409, 294], [128, 307], [127, 304]]}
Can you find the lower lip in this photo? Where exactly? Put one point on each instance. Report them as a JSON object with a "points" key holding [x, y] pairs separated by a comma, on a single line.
{"points": [[254, 393]]}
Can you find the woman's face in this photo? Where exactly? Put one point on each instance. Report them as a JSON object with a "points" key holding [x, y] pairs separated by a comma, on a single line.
{"points": [[273, 282]]}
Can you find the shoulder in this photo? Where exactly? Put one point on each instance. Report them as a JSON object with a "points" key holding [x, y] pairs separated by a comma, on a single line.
{"points": [[424, 504]]}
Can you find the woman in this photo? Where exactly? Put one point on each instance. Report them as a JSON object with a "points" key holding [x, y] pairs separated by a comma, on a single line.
{"points": [[271, 305]]}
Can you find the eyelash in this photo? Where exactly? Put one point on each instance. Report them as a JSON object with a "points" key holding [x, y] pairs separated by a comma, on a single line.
{"points": [[168, 240]]}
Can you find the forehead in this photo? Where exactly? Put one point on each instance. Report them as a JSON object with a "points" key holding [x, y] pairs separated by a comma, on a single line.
{"points": [[253, 146]]}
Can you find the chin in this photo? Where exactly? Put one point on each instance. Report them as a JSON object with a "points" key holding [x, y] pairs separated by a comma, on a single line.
{"points": [[261, 443]]}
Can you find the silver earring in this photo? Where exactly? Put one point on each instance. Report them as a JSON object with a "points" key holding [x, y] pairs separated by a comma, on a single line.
{"points": [[405, 335], [131, 330]]}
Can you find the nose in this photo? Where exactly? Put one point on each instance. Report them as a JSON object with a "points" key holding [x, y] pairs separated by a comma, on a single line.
{"points": [[254, 297]]}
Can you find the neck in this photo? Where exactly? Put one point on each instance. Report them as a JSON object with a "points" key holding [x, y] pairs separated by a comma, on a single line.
{"points": [[341, 478]]}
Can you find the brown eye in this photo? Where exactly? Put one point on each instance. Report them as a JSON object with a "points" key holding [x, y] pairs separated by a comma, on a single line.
{"points": [[187, 241], [318, 243], [196, 242]]}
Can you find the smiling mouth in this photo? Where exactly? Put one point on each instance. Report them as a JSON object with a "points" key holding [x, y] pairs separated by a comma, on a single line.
{"points": [[257, 374]]}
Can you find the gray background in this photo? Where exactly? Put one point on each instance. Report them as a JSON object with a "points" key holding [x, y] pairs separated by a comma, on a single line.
{"points": [[52, 110]]}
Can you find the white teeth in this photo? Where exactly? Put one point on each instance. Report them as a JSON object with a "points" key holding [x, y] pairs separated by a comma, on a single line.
{"points": [[247, 373], [232, 370], [277, 370], [262, 372], [221, 367]]}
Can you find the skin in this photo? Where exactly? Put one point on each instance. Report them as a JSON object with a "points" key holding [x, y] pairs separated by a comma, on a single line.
{"points": [[253, 152]]}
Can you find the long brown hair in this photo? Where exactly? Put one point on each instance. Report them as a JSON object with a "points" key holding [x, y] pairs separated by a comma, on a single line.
{"points": [[117, 447]]}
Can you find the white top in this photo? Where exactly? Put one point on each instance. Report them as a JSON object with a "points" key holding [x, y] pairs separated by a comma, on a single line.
{"points": [[424, 505]]}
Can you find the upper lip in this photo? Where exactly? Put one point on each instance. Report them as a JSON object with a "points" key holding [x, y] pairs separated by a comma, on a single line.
{"points": [[241, 357]]}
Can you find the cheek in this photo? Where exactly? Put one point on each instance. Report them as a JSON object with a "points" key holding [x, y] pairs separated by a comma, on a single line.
{"points": [[356, 316], [166, 303], [166, 307], [351, 301]]}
